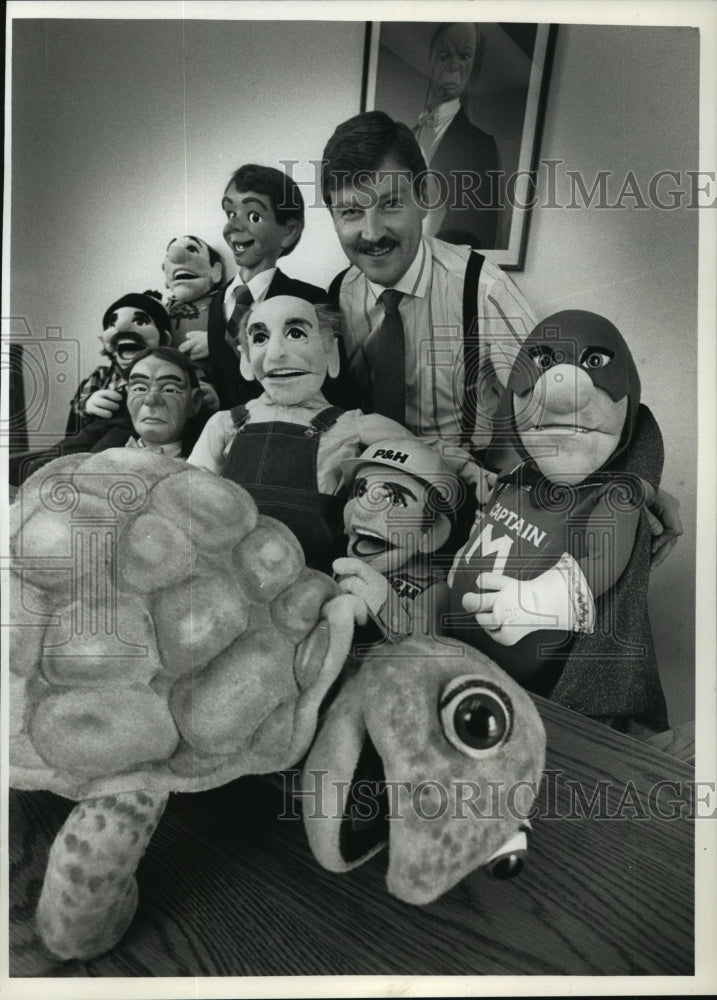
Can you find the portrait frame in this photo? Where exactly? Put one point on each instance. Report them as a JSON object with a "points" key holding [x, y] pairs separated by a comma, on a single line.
{"points": [[505, 98]]}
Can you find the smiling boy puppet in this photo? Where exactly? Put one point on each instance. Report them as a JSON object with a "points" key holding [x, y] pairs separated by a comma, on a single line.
{"points": [[131, 324], [264, 211], [286, 446], [552, 582], [403, 497], [193, 275]]}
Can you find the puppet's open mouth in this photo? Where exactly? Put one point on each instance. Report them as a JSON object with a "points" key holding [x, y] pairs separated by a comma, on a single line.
{"points": [[183, 276], [369, 543], [238, 247], [364, 824], [126, 350]]}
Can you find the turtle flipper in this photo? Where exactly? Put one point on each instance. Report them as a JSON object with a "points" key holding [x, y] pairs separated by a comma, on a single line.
{"points": [[89, 895]]}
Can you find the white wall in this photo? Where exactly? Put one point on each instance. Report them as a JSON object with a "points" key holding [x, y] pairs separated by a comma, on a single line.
{"points": [[124, 135]]}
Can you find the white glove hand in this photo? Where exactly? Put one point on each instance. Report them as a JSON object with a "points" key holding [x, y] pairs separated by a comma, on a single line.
{"points": [[196, 345], [355, 577], [510, 609], [103, 403]]}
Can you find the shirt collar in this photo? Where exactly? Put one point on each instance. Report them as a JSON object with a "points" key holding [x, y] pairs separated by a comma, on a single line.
{"points": [[258, 285], [441, 113], [315, 403], [171, 450], [417, 278]]}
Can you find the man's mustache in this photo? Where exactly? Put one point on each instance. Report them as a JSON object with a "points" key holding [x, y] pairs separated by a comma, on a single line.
{"points": [[385, 243]]}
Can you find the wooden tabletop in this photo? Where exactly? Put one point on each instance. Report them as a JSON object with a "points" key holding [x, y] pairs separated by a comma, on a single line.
{"points": [[228, 889]]}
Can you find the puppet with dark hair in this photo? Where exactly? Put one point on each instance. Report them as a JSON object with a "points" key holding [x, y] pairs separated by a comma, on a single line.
{"points": [[193, 275]]}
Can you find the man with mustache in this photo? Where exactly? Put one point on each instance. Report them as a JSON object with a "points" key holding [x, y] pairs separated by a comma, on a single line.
{"points": [[431, 329]]}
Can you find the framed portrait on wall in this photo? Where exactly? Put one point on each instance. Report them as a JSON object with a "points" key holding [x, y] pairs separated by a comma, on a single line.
{"points": [[474, 96]]}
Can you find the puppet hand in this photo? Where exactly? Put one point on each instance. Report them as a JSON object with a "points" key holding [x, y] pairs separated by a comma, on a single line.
{"points": [[209, 394], [663, 516], [359, 608], [481, 479], [196, 345], [510, 609], [103, 403], [355, 577]]}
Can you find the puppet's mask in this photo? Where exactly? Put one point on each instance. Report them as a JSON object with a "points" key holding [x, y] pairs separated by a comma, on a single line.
{"points": [[575, 395]]}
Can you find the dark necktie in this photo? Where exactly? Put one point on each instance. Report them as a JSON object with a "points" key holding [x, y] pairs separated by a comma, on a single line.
{"points": [[243, 299], [388, 361]]}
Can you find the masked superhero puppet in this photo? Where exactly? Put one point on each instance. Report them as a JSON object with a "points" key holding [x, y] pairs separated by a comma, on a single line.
{"points": [[132, 323], [402, 499], [552, 582]]}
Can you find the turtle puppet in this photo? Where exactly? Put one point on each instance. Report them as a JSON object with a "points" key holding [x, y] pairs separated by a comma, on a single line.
{"points": [[165, 638], [552, 581], [433, 751]]}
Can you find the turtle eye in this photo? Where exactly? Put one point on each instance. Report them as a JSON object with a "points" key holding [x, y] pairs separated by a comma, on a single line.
{"points": [[476, 715]]}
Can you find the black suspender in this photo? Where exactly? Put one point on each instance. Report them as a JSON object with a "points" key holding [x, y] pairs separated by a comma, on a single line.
{"points": [[471, 341], [335, 288]]}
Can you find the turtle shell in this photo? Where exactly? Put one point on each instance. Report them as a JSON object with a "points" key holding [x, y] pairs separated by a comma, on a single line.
{"points": [[164, 635]]}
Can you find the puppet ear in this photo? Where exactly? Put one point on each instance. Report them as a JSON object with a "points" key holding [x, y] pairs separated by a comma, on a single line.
{"points": [[197, 400], [435, 536], [334, 365], [216, 273], [247, 372], [293, 232]]}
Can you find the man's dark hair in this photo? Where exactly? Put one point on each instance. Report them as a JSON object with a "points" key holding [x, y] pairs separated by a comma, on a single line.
{"points": [[361, 144], [171, 355], [283, 192]]}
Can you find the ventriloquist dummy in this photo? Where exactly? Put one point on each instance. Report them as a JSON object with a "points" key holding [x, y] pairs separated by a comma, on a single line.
{"points": [[132, 323], [193, 275], [264, 211], [164, 400], [403, 497], [286, 447], [552, 582], [165, 413]]}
